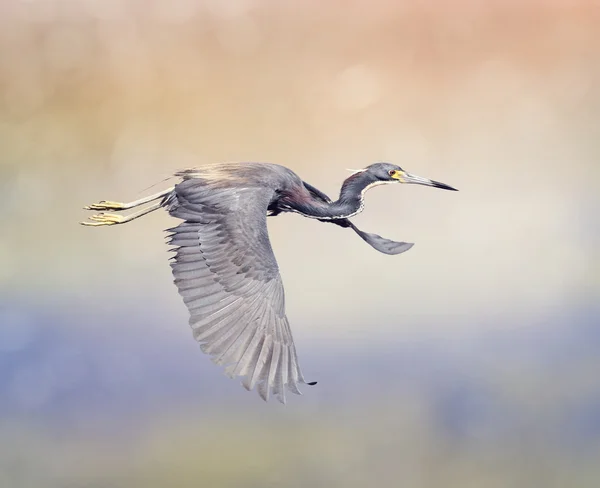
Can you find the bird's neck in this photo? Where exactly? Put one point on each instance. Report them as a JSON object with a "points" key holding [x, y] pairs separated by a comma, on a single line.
{"points": [[349, 203], [354, 188]]}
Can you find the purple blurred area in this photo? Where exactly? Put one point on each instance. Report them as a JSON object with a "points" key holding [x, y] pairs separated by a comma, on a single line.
{"points": [[525, 393], [471, 360]]}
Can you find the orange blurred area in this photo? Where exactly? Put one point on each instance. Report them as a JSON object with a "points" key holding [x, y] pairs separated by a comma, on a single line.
{"points": [[471, 360]]}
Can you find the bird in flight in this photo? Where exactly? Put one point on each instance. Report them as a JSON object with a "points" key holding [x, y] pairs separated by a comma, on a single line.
{"points": [[224, 266]]}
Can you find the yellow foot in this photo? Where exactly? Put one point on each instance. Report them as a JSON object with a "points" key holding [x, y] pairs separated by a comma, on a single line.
{"points": [[105, 205], [104, 219]]}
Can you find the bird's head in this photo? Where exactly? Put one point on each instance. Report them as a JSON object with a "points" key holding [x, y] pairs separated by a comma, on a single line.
{"points": [[390, 173]]}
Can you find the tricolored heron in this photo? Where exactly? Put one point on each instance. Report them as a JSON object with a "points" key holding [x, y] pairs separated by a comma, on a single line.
{"points": [[224, 266]]}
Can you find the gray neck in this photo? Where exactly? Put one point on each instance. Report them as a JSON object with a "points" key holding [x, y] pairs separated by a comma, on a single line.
{"points": [[348, 204]]}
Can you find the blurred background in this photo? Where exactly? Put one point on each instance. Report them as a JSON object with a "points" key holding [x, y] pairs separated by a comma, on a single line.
{"points": [[470, 361]]}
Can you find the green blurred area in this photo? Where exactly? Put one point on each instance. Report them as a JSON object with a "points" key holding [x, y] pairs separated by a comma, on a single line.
{"points": [[390, 442]]}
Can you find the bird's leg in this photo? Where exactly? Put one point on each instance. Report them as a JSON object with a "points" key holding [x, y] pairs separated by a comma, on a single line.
{"points": [[108, 205], [113, 219]]}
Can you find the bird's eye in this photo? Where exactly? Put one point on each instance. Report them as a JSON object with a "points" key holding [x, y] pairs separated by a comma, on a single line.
{"points": [[392, 172]]}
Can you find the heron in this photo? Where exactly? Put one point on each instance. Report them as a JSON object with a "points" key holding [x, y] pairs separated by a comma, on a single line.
{"points": [[224, 266]]}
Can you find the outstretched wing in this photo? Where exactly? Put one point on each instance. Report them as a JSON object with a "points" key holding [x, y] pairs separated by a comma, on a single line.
{"points": [[226, 272], [381, 244]]}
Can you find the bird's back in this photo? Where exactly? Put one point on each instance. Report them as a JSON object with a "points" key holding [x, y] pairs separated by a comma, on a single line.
{"points": [[243, 175]]}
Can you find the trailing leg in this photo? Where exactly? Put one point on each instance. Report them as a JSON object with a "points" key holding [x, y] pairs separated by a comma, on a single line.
{"points": [[113, 219], [108, 205]]}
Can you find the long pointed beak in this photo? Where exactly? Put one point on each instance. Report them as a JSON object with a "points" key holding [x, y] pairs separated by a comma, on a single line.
{"points": [[418, 180]]}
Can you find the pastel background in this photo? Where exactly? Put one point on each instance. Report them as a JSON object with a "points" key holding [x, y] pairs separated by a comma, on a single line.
{"points": [[473, 360]]}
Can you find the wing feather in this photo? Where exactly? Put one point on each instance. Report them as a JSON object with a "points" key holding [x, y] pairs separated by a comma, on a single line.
{"points": [[225, 270], [274, 364]]}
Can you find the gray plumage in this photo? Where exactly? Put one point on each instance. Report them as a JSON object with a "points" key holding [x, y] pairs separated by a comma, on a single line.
{"points": [[224, 266], [226, 272]]}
